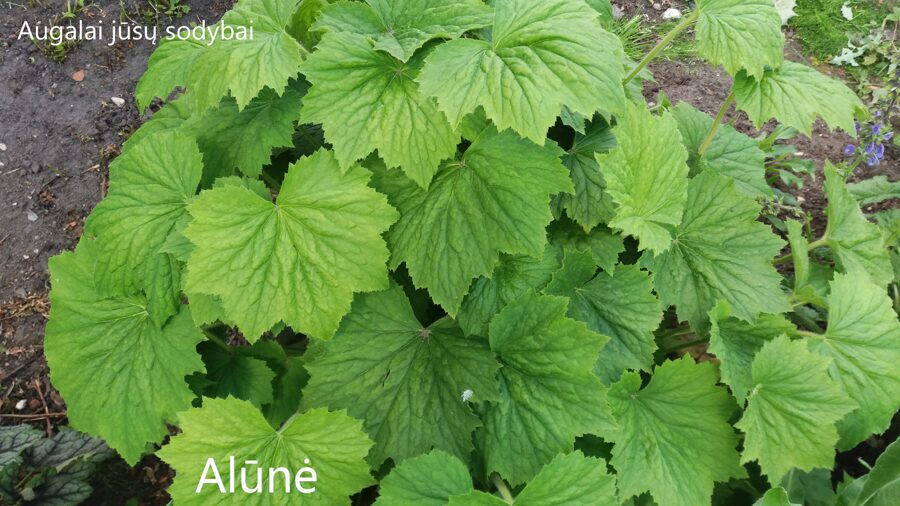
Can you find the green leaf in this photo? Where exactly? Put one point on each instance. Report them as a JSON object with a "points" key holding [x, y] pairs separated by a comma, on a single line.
{"points": [[720, 252], [567, 479], [577, 268], [605, 245], [113, 337], [730, 153], [428, 480], [494, 200], [874, 190], [800, 251], [646, 175], [513, 276], [548, 393], [334, 444], [590, 205], [857, 243], [882, 487], [740, 34], [659, 427], [735, 343], [298, 260], [242, 68], [162, 287], [791, 410], [774, 497], [410, 383], [230, 137], [150, 187], [400, 27], [623, 307], [543, 55], [863, 339], [234, 373], [254, 185], [795, 95], [367, 100]]}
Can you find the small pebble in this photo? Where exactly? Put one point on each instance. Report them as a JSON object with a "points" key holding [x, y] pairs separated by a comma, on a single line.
{"points": [[21, 405], [118, 101], [32, 216], [672, 14], [35, 167], [2, 147]]}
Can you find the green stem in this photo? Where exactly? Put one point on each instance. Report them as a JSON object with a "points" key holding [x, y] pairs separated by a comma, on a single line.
{"points": [[688, 21], [811, 335], [217, 340], [273, 183], [502, 488], [718, 121], [688, 344], [790, 256]]}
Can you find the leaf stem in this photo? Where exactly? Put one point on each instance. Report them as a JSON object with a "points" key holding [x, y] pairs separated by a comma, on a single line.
{"points": [[217, 340], [272, 182], [790, 256], [502, 488], [688, 344], [806, 333], [718, 121], [675, 32]]}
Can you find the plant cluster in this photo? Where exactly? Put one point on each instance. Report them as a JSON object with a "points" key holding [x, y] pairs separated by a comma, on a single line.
{"points": [[444, 247]]}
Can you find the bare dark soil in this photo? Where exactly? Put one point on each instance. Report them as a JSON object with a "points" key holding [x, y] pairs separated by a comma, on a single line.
{"points": [[60, 133]]}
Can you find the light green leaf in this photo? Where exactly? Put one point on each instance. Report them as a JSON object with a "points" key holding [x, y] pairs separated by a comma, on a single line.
{"points": [[494, 200], [795, 95], [730, 153], [800, 252], [367, 100], [577, 268], [882, 487], [334, 444], [411, 384], [513, 276], [548, 393], [428, 480], [659, 427], [400, 27], [647, 176], [121, 375], [857, 243], [150, 186], [735, 343], [791, 410], [162, 287], [775, 497], [589, 205], [740, 34], [210, 71], [623, 307], [863, 338], [720, 252], [298, 260], [254, 185], [874, 190], [542, 55]]}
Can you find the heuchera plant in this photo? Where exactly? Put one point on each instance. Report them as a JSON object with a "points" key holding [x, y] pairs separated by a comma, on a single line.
{"points": [[444, 246]]}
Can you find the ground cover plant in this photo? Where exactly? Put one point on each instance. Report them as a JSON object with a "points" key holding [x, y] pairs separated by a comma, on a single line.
{"points": [[442, 252]]}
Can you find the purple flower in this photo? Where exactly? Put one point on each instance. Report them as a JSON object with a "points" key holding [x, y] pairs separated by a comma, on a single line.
{"points": [[879, 151], [876, 129], [850, 149], [870, 149], [856, 123], [888, 136], [877, 114]]}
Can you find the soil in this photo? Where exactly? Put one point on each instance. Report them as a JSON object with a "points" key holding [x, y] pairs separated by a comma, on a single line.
{"points": [[61, 127]]}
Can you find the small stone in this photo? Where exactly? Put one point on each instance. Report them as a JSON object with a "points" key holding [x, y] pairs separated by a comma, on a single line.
{"points": [[672, 14], [118, 101], [21, 405], [35, 167], [32, 216], [2, 147], [78, 76], [657, 7]]}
